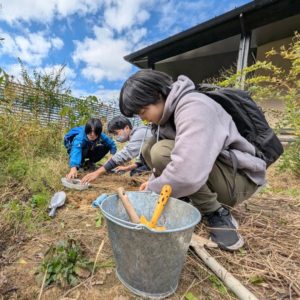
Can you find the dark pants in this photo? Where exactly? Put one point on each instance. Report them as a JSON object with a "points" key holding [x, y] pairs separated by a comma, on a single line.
{"points": [[218, 188], [94, 154]]}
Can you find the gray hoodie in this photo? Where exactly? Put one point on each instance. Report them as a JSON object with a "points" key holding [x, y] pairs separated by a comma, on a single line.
{"points": [[204, 131], [137, 136]]}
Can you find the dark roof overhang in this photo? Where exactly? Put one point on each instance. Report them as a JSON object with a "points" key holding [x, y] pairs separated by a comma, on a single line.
{"points": [[238, 21]]}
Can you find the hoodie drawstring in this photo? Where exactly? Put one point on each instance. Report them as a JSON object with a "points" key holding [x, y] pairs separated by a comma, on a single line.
{"points": [[144, 137], [157, 134]]}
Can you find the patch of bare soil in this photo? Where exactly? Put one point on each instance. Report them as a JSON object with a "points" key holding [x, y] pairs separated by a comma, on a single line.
{"points": [[268, 265]]}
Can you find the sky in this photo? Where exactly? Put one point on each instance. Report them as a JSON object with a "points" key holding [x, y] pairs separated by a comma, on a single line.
{"points": [[91, 37]]}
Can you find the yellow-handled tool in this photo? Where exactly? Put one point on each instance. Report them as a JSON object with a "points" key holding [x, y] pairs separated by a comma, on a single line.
{"points": [[161, 203]]}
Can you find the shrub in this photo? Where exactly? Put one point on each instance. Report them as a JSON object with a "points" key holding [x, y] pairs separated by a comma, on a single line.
{"points": [[265, 81]]}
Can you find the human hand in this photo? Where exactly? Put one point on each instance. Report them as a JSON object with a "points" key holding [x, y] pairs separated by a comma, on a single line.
{"points": [[144, 186], [72, 174], [121, 168], [89, 177]]}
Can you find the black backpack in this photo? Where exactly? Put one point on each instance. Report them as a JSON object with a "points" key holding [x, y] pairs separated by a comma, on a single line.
{"points": [[249, 119]]}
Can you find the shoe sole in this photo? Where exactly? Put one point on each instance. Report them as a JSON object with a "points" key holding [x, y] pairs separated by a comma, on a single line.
{"points": [[240, 243], [234, 222]]}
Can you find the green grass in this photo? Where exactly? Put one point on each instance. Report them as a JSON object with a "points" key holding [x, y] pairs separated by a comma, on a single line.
{"points": [[218, 284], [32, 162]]}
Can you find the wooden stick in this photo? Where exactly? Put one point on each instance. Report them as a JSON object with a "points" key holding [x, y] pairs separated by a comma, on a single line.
{"points": [[95, 262], [128, 206], [229, 280], [43, 284]]}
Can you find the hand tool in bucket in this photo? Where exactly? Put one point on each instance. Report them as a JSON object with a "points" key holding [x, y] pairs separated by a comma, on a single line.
{"points": [[161, 203], [128, 206]]}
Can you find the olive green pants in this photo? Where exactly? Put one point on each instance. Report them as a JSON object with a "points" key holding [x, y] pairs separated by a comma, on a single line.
{"points": [[220, 183]]}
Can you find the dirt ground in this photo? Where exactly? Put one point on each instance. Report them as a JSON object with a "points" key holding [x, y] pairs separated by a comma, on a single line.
{"points": [[268, 265]]}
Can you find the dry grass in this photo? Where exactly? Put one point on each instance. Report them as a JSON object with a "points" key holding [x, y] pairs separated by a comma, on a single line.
{"points": [[268, 265]]}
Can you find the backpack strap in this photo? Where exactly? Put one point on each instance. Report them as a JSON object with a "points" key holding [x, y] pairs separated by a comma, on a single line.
{"points": [[234, 161]]}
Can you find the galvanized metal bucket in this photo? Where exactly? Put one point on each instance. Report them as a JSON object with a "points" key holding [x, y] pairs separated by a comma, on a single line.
{"points": [[149, 262]]}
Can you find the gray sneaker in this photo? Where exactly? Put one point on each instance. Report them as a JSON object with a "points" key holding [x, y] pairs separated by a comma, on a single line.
{"points": [[223, 229]]}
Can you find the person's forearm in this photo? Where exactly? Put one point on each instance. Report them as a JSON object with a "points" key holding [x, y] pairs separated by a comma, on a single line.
{"points": [[101, 171]]}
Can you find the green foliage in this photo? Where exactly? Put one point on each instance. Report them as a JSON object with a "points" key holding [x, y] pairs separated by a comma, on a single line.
{"points": [[32, 162], [39, 200], [78, 111], [265, 80], [18, 214], [256, 279], [218, 284], [62, 262], [23, 214], [46, 92], [17, 168], [190, 296], [43, 91], [30, 153], [291, 158], [99, 220], [3, 76]]}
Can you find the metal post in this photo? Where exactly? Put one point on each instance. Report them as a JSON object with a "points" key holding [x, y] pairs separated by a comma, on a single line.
{"points": [[243, 55], [151, 63]]}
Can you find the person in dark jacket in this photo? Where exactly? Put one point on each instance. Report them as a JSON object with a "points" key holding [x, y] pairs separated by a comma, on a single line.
{"points": [[87, 143]]}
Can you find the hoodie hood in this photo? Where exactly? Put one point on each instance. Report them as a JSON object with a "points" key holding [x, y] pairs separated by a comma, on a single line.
{"points": [[181, 86]]}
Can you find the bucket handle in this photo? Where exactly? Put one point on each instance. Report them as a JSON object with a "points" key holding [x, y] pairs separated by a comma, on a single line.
{"points": [[126, 224]]}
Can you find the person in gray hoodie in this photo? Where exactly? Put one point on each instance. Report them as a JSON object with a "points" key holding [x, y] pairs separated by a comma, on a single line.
{"points": [[193, 149], [123, 130]]}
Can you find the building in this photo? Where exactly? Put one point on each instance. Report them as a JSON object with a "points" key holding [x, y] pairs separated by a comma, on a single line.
{"points": [[235, 39]]}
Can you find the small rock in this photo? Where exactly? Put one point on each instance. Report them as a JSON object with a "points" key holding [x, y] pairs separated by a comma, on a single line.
{"points": [[82, 272]]}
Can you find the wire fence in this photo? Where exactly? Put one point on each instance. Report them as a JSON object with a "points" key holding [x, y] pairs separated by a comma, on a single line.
{"points": [[22, 104]]}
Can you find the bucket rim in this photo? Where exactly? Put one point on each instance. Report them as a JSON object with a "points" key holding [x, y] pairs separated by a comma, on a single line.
{"points": [[134, 226]]}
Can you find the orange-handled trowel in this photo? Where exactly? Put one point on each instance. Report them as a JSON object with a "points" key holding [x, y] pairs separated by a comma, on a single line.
{"points": [[161, 203]]}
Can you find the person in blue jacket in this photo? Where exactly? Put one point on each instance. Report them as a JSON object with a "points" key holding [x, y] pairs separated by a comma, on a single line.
{"points": [[87, 142]]}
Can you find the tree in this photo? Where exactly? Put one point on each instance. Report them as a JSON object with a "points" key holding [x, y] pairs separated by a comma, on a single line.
{"points": [[44, 91]]}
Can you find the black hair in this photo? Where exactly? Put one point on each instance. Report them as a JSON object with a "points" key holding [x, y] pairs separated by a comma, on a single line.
{"points": [[93, 124], [118, 122], [143, 88]]}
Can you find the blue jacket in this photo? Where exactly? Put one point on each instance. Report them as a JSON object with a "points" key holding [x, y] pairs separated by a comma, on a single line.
{"points": [[80, 141]]}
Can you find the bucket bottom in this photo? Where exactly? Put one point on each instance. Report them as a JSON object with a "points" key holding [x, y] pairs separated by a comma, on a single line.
{"points": [[143, 294]]}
